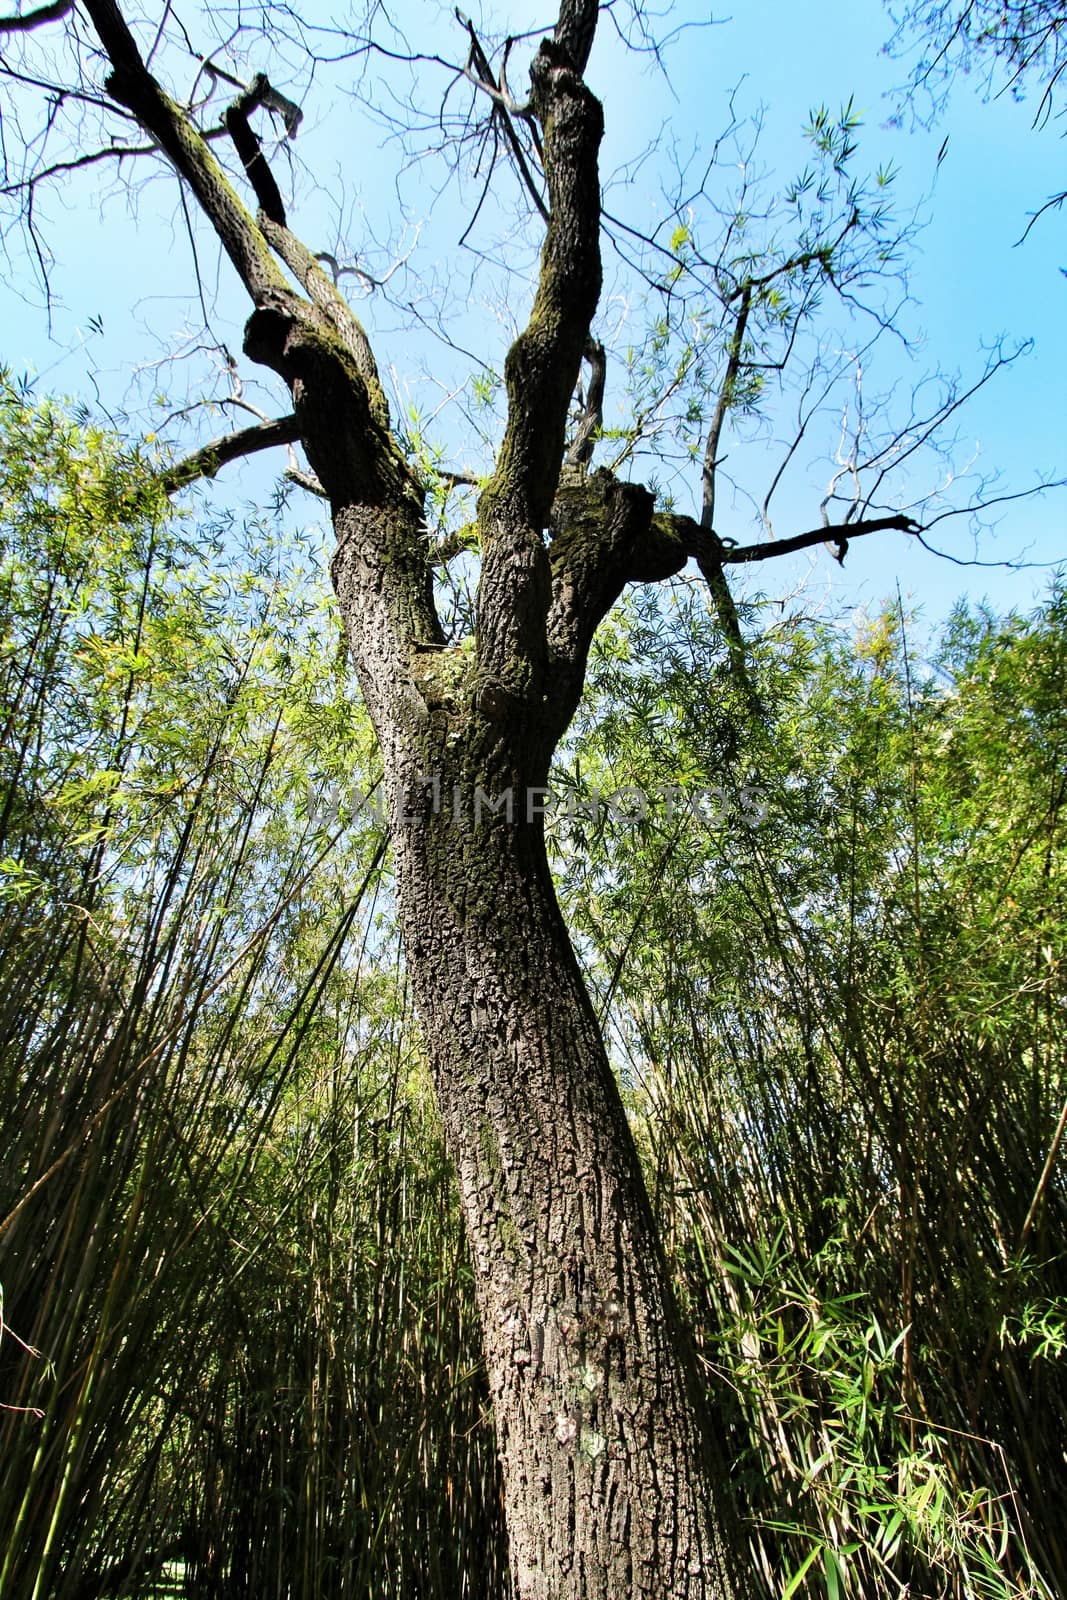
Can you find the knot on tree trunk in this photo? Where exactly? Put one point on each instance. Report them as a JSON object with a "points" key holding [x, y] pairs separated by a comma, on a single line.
{"points": [[607, 531], [355, 459]]}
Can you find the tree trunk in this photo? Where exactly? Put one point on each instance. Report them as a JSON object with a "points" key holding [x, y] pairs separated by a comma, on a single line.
{"points": [[607, 1475], [606, 1471]]}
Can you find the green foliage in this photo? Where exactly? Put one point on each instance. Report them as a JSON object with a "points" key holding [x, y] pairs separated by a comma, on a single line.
{"points": [[238, 1332], [730, 319], [839, 1014], [1026, 39], [238, 1351]]}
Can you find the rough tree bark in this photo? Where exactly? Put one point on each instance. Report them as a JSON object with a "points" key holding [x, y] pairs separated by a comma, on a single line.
{"points": [[606, 1478], [607, 1482], [611, 1481]]}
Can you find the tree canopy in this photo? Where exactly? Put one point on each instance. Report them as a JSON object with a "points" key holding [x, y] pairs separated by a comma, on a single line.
{"points": [[1020, 47]]}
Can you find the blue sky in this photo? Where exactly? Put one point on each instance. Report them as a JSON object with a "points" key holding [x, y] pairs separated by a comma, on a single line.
{"points": [[122, 275]]}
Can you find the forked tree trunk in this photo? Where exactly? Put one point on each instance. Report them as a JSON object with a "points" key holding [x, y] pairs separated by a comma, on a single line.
{"points": [[607, 1478]]}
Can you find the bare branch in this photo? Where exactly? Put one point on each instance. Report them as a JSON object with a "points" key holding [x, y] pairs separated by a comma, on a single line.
{"points": [[581, 451], [306, 480], [997, 500], [287, 109], [710, 568], [722, 406], [36, 19], [318, 348], [1053, 203], [133, 86], [484, 78], [738, 555], [462, 541], [707, 560], [973, 561], [248, 147], [455, 479], [205, 462], [326, 295], [113, 152]]}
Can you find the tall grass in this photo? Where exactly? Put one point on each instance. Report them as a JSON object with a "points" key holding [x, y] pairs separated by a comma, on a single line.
{"points": [[843, 1029], [239, 1354]]}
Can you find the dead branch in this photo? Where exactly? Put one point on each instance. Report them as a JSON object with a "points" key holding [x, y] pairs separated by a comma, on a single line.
{"points": [[739, 555], [484, 78], [246, 143], [581, 451]]}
